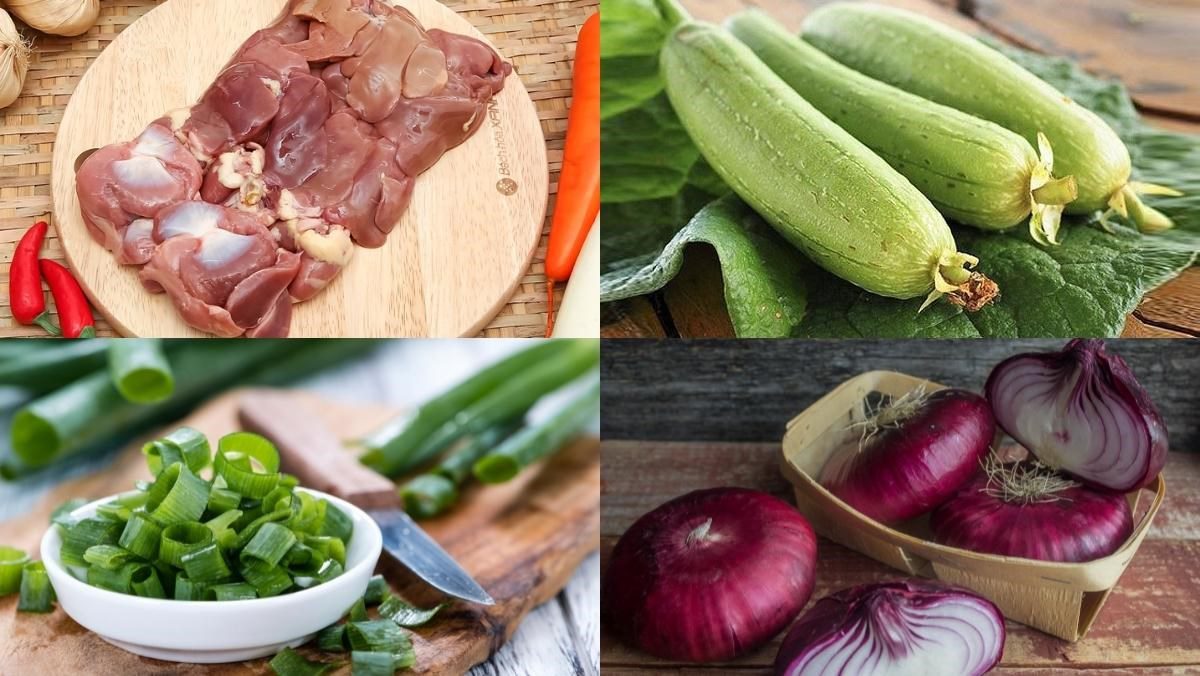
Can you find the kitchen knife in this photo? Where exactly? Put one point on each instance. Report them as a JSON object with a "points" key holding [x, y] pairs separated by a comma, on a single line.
{"points": [[312, 452]]}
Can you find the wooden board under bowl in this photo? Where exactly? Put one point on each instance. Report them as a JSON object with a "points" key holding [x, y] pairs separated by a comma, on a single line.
{"points": [[452, 262], [521, 541]]}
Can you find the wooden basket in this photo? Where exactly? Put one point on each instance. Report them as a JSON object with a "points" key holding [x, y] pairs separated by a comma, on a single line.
{"points": [[1058, 598]]}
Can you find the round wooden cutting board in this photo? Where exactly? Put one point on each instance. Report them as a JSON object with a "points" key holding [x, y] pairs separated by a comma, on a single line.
{"points": [[449, 266]]}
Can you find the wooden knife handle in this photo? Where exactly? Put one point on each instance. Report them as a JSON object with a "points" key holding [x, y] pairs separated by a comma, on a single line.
{"points": [[311, 451]]}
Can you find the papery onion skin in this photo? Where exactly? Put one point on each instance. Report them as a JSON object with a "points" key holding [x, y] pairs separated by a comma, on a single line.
{"points": [[681, 592], [869, 631], [904, 471], [1043, 400], [14, 61], [1079, 524]]}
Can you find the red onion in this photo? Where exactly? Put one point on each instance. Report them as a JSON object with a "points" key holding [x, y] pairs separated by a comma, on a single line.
{"points": [[1081, 411], [913, 627], [1030, 511], [710, 575], [913, 454]]}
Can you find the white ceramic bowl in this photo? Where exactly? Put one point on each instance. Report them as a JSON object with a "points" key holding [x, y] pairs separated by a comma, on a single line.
{"points": [[212, 631]]}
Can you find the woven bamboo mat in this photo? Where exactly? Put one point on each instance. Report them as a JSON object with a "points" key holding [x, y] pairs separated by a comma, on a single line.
{"points": [[537, 36]]}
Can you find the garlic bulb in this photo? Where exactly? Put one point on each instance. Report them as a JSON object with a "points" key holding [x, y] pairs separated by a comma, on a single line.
{"points": [[14, 60], [57, 17]]}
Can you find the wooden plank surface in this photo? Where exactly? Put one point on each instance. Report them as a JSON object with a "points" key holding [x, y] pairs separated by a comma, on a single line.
{"points": [[402, 374], [1149, 45], [521, 540], [538, 36], [452, 261], [1145, 43], [1149, 620], [746, 390]]}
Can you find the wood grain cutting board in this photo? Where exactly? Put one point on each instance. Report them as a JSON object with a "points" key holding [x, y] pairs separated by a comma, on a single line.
{"points": [[449, 266], [520, 540]]}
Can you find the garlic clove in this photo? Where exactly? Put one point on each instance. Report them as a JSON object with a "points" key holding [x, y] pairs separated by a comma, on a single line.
{"points": [[14, 60], [57, 17]]}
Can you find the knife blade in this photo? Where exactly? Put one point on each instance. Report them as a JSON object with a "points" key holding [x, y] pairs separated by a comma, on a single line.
{"points": [[311, 451]]}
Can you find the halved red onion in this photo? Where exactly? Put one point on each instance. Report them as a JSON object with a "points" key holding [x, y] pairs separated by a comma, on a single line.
{"points": [[905, 628], [913, 454], [710, 575], [1026, 510], [1082, 411]]}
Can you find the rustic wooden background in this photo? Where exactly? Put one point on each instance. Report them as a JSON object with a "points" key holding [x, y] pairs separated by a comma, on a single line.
{"points": [[746, 390], [1150, 45], [560, 637], [685, 415], [537, 36]]}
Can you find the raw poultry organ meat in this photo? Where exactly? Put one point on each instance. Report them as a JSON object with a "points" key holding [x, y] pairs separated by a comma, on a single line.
{"points": [[306, 145]]}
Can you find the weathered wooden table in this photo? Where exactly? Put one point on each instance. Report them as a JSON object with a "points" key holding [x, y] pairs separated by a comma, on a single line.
{"points": [[559, 637], [1149, 45], [537, 36], [715, 391], [1150, 624]]}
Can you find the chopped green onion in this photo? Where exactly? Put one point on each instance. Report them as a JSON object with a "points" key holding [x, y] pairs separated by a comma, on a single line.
{"points": [[178, 495], [189, 590], [221, 527], [378, 635], [405, 615], [301, 555], [258, 538], [337, 524], [140, 370], [252, 529], [373, 663], [428, 495], [539, 441], [145, 583], [332, 639], [309, 514], [118, 579], [233, 591], [37, 596], [206, 564], [271, 543], [328, 546], [267, 579], [184, 445], [12, 561], [110, 557], [182, 539], [288, 662], [222, 500], [377, 591], [114, 511], [87, 533], [141, 536], [61, 516], [233, 462], [358, 611], [329, 570]]}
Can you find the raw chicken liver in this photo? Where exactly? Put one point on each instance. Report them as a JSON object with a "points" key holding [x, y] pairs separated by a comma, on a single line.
{"points": [[306, 145]]}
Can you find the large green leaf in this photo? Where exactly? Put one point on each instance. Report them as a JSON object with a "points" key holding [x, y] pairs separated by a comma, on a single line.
{"points": [[1085, 287], [764, 290]]}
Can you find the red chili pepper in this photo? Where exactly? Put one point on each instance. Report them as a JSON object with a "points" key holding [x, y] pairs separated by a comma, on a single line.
{"points": [[25, 295], [73, 311]]}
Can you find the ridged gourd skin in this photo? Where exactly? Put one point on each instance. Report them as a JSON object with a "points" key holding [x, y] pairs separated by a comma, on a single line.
{"points": [[974, 171], [824, 191], [936, 62]]}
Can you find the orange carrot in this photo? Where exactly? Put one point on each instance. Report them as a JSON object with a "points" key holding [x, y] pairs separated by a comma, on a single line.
{"points": [[579, 183]]}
